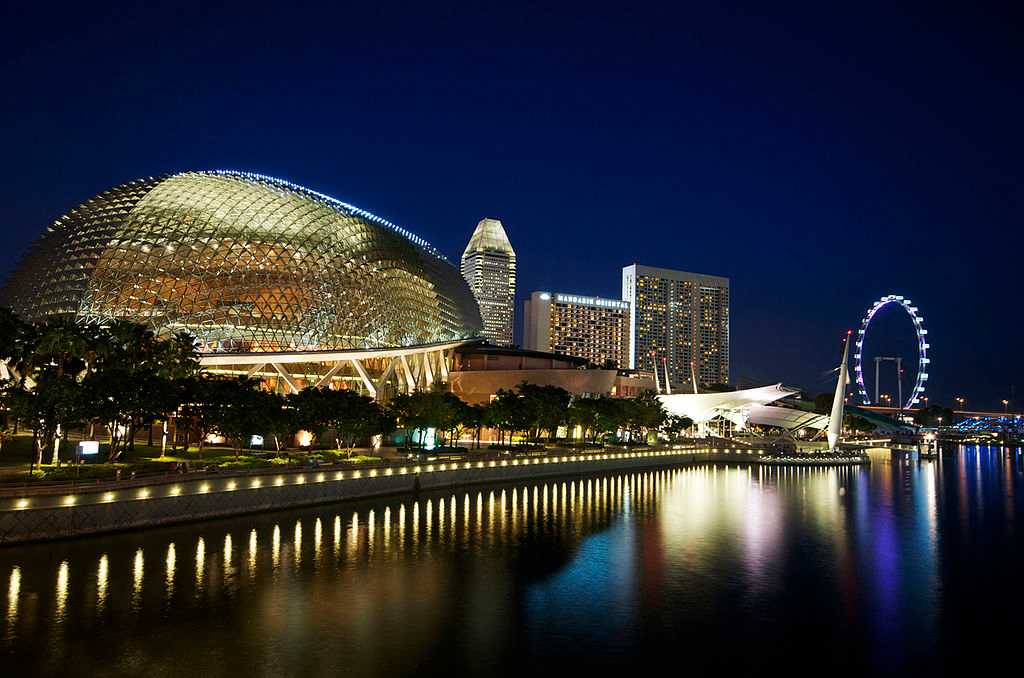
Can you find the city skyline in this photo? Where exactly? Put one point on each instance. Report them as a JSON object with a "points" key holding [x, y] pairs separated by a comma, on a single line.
{"points": [[494, 338], [782, 159]]}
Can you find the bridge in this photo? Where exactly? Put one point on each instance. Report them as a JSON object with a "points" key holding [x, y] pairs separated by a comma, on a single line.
{"points": [[990, 422]]}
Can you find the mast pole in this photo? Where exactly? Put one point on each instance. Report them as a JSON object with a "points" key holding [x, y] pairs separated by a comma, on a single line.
{"points": [[835, 420], [657, 383]]}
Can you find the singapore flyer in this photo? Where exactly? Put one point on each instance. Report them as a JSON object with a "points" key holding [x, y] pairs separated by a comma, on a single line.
{"points": [[922, 350]]}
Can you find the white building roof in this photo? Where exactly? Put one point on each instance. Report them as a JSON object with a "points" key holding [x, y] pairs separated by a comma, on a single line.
{"points": [[786, 417], [733, 405]]}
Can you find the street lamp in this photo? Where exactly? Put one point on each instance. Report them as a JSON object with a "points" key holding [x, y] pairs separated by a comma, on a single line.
{"points": [[1006, 405], [960, 401]]}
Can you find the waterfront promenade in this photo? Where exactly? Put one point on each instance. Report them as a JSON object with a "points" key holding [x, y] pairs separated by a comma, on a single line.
{"points": [[70, 510]]}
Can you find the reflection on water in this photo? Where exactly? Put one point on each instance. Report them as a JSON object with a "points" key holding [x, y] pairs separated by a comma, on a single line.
{"points": [[607, 567], [227, 552], [200, 564], [101, 582], [62, 590], [169, 583], [13, 598], [137, 572]]}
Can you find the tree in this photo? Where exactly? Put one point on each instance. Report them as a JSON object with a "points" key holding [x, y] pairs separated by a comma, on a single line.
{"points": [[277, 417], [475, 417], [314, 409], [239, 412], [600, 415], [543, 408], [858, 424], [203, 398], [52, 404], [133, 378], [508, 412], [581, 413], [444, 413], [675, 424], [613, 414], [934, 415], [422, 410], [408, 412], [16, 344], [647, 411], [5, 433], [62, 373], [386, 422], [461, 419], [356, 417], [46, 361]]}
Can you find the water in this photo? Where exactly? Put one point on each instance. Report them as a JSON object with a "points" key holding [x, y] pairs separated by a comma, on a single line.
{"points": [[902, 568]]}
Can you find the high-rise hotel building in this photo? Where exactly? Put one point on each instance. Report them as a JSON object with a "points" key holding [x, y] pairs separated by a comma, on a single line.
{"points": [[489, 266], [680, 317], [586, 327]]}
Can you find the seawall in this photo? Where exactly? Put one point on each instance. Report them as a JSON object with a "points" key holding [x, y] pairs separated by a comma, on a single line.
{"points": [[49, 513]]}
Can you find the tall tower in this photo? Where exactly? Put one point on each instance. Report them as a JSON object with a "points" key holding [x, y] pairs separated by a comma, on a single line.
{"points": [[489, 266], [680, 317]]}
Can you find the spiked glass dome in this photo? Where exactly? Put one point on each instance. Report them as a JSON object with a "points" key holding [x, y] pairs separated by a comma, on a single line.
{"points": [[246, 263]]}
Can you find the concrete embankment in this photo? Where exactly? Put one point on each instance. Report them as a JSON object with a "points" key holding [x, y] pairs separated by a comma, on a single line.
{"points": [[56, 513]]}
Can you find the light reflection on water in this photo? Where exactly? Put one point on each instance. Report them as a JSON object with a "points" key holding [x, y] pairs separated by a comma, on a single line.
{"points": [[603, 567], [101, 582], [13, 598]]}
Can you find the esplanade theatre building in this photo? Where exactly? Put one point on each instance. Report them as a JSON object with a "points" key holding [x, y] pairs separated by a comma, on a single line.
{"points": [[272, 279]]}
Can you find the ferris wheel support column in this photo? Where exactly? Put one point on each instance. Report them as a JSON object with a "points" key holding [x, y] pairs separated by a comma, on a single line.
{"points": [[878, 361], [899, 380]]}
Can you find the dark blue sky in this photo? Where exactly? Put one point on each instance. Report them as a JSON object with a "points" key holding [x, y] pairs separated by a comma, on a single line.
{"points": [[818, 156]]}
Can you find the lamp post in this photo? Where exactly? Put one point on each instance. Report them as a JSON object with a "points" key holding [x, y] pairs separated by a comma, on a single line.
{"points": [[960, 401], [1006, 406]]}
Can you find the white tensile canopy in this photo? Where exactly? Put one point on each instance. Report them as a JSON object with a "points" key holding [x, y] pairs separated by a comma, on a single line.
{"points": [[736, 406], [787, 418]]}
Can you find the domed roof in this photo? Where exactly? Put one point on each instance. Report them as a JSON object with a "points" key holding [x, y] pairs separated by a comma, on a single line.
{"points": [[245, 263]]}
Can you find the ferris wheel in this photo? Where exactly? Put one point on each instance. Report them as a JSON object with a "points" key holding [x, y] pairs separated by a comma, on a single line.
{"points": [[922, 351]]}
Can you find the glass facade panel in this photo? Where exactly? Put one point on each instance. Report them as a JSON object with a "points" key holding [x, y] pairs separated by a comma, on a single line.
{"points": [[245, 263]]}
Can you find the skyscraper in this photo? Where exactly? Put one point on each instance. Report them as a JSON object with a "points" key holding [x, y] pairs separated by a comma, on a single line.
{"points": [[681, 318], [489, 266], [586, 327]]}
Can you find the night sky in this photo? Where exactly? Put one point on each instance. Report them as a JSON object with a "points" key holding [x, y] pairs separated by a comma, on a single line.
{"points": [[818, 156]]}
